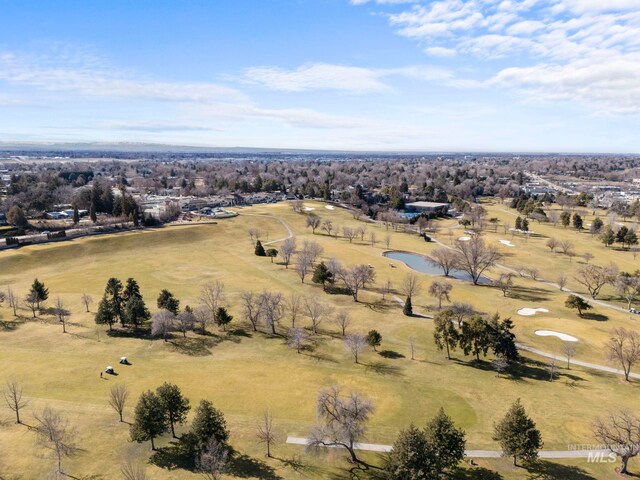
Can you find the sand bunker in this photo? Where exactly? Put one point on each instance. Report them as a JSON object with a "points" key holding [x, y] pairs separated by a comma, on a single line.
{"points": [[562, 336], [464, 239], [507, 243], [527, 312], [308, 209], [329, 207]]}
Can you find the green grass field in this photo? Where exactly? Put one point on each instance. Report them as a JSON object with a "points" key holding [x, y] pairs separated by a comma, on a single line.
{"points": [[245, 373]]}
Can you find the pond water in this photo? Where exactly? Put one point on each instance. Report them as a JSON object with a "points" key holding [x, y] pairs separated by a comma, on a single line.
{"points": [[421, 264]]}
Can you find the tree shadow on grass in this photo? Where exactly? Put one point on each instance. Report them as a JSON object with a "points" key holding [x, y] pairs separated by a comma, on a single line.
{"points": [[527, 369], [244, 466], [380, 306], [95, 476], [529, 294], [9, 326], [390, 354], [140, 333], [239, 332], [544, 470], [175, 455], [298, 465], [194, 346], [360, 471], [382, 368], [475, 473], [335, 290], [598, 317]]}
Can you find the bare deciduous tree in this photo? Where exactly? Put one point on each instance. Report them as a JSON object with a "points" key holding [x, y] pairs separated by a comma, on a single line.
{"points": [[355, 343], [440, 290], [461, 311], [504, 282], [61, 313], [287, 249], [87, 300], [55, 434], [185, 321], [212, 460], [343, 421], [356, 278], [628, 287], [212, 297], [297, 338], [251, 308], [13, 398], [313, 221], [412, 348], [569, 350], [343, 320], [386, 288], [294, 304], [445, 258], [624, 348], [313, 250], [327, 226], [551, 368], [32, 300], [202, 317], [334, 266], [118, 396], [272, 309], [566, 247], [474, 257], [317, 311], [162, 324], [552, 243], [619, 433], [349, 233], [254, 234], [387, 241], [372, 238], [562, 282], [13, 300], [266, 432], [303, 265], [410, 285], [361, 230], [594, 277]]}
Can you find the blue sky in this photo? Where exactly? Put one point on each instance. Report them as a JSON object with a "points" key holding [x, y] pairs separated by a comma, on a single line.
{"points": [[427, 75]]}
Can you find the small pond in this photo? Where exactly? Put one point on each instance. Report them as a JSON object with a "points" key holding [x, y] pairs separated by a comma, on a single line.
{"points": [[422, 264]]}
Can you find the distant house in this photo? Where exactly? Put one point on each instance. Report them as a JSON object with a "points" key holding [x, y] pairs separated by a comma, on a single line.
{"points": [[433, 208]]}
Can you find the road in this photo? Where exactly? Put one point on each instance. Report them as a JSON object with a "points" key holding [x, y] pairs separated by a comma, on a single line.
{"points": [[374, 447]]}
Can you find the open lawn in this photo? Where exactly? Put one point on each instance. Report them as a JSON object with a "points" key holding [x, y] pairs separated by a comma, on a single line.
{"points": [[245, 373]]}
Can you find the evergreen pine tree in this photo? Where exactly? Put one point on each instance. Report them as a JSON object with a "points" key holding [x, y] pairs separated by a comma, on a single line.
{"points": [[223, 318], [174, 404], [259, 251], [150, 420], [446, 441], [518, 436], [407, 309]]}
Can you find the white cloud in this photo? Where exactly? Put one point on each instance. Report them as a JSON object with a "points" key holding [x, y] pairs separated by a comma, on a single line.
{"points": [[157, 127], [611, 86], [344, 79], [57, 75], [559, 49], [440, 51], [380, 2], [319, 76]]}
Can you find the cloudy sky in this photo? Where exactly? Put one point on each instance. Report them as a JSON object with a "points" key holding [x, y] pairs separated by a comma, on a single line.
{"points": [[501, 75]]}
